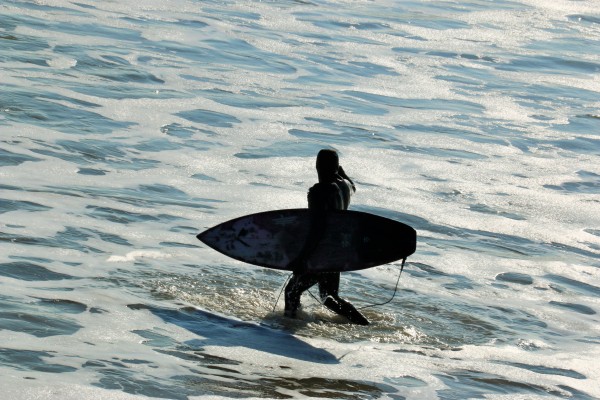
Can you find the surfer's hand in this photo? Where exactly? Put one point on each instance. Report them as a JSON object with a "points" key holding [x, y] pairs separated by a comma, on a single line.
{"points": [[343, 175], [298, 264]]}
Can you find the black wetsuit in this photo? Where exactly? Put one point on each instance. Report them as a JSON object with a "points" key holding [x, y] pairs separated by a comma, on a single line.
{"points": [[322, 197]]}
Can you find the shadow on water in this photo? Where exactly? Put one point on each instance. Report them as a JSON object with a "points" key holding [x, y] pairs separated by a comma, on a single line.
{"points": [[221, 331], [218, 376], [214, 375]]}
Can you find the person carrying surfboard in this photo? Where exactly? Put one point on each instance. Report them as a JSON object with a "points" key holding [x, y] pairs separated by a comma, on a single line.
{"points": [[332, 192]]}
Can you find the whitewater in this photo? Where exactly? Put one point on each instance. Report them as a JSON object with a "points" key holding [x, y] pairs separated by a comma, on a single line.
{"points": [[128, 127]]}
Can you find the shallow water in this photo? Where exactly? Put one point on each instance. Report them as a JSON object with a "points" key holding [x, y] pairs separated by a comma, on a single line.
{"points": [[129, 127]]}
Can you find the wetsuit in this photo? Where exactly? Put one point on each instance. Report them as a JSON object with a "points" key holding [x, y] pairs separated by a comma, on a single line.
{"points": [[322, 197]]}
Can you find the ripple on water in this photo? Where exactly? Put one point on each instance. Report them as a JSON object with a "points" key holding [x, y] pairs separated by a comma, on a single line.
{"points": [[587, 19], [429, 104], [247, 99], [210, 118], [14, 205], [578, 308], [185, 132], [541, 369], [19, 47], [70, 237], [240, 53], [109, 153], [125, 217], [47, 109], [153, 196], [515, 277], [40, 319], [457, 282], [280, 149], [548, 65], [30, 360], [485, 209], [473, 384], [91, 171], [588, 183], [28, 271], [8, 158], [62, 306]]}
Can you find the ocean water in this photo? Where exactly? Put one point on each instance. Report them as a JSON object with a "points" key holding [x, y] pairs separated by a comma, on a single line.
{"points": [[127, 127]]}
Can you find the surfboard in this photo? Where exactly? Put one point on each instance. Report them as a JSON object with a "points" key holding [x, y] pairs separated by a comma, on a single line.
{"points": [[313, 241]]}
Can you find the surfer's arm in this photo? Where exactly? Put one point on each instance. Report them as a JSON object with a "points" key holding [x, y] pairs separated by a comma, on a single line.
{"points": [[315, 234], [343, 175]]}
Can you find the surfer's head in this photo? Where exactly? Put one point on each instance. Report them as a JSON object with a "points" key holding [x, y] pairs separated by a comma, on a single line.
{"points": [[328, 164]]}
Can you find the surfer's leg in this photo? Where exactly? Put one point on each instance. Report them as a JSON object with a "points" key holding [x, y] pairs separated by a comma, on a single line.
{"points": [[328, 289], [294, 289], [329, 285]]}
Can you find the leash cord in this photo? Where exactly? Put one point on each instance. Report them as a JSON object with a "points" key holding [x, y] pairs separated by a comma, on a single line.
{"points": [[281, 291], [393, 295], [360, 308]]}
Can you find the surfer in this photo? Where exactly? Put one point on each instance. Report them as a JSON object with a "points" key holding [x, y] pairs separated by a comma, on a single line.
{"points": [[332, 192]]}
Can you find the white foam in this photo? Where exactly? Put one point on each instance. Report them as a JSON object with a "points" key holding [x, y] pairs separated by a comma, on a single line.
{"points": [[62, 62], [138, 254], [44, 391], [424, 183]]}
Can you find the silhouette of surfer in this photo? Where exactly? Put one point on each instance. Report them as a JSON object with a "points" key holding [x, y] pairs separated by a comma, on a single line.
{"points": [[332, 192]]}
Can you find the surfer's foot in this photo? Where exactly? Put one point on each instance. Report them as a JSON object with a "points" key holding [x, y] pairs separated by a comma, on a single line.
{"points": [[344, 308], [291, 310], [292, 303]]}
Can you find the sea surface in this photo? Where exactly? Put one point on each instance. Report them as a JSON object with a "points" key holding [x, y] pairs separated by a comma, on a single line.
{"points": [[127, 127]]}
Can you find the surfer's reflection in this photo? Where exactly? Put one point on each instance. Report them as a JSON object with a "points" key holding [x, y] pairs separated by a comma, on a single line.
{"points": [[332, 192]]}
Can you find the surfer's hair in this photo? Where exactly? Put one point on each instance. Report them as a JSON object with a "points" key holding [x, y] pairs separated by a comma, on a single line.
{"points": [[328, 163]]}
